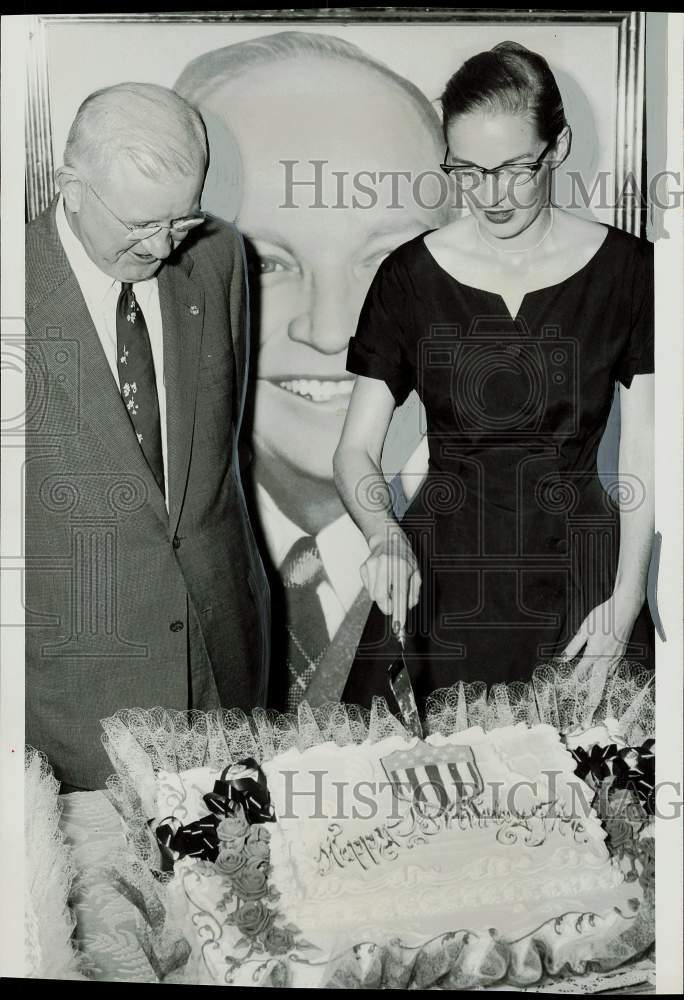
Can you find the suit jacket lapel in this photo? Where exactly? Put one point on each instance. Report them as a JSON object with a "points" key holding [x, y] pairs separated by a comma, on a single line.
{"points": [[182, 310], [91, 383]]}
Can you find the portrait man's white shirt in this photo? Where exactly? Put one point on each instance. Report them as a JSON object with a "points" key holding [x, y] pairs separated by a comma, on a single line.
{"points": [[101, 293], [341, 545]]}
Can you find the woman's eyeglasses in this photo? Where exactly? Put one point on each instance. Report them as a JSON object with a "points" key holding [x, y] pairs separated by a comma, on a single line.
{"points": [[511, 173], [179, 227]]}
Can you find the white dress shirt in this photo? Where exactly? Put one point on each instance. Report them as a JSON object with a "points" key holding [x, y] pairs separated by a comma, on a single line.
{"points": [[101, 294], [343, 549]]}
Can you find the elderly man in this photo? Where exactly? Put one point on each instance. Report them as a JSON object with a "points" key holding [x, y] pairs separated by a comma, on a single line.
{"points": [[331, 146], [144, 586]]}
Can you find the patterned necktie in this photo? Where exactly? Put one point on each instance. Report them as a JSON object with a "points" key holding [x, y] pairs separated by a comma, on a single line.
{"points": [[302, 571], [137, 380]]}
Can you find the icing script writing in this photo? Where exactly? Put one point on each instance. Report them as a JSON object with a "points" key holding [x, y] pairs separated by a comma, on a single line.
{"points": [[385, 841]]}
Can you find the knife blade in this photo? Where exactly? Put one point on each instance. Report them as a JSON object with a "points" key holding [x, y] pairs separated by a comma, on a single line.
{"points": [[402, 689]]}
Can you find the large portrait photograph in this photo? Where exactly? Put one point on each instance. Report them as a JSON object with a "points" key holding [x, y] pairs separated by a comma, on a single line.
{"points": [[342, 539]]}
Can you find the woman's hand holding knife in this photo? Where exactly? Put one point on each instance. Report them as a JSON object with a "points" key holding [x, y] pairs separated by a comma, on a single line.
{"points": [[391, 576]]}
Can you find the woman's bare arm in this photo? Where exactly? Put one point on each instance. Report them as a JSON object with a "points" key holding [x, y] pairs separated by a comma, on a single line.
{"points": [[605, 632], [636, 472], [356, 462], [390, 574], [415, 470]]}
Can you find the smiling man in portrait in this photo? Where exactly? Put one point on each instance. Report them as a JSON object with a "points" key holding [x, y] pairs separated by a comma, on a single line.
{"points": [[332, 179]]}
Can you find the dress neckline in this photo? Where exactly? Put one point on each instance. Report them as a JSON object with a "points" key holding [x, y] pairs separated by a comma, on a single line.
{"points": [[535, 291]]}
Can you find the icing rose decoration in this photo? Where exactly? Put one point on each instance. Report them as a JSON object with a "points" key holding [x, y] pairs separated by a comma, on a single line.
{"points": [[259, 833], [624, 818], [279, 940], [251, 881], [253, 918], [229, 862], [232, 845], [620, 832], [257, 845], [257, 851], [647, 858], [623, 803], [235, 824]]}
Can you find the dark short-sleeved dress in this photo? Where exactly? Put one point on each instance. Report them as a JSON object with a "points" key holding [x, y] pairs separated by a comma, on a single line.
{"points": [[516, 538]]}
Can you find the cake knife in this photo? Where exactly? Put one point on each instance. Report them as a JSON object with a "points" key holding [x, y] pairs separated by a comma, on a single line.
{"points": [[402, 689]]}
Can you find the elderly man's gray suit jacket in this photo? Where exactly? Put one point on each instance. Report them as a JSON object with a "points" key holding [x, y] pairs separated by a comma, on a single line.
{"points": [[112, 579]]}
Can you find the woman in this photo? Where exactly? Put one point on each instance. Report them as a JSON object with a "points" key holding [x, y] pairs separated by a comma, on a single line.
{"points": [[513, 324]]}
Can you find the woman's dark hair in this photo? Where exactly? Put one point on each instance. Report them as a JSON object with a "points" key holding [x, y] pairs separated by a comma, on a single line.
{"points": [[507, 78]]}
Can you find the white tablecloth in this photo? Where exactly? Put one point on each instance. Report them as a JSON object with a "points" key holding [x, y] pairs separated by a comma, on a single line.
{"points": [[108, 926]]}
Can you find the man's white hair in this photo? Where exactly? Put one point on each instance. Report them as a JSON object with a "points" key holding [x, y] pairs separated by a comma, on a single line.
{"points": [[152, 127], [207, 73]]}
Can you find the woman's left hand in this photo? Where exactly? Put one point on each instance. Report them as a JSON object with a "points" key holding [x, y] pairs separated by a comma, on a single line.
{"points": [[605, 632]]}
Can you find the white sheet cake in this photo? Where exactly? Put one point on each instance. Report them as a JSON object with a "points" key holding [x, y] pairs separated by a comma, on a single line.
{"points": [[484, 832]]}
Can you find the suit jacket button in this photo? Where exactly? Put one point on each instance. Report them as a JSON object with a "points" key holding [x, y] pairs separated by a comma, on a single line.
{"points": [[176, 626], [176, 542]]}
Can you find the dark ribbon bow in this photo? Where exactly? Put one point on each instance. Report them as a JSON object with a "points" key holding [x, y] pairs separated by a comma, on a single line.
{"points": [[638, 777], [200, 839], [600, 763]]}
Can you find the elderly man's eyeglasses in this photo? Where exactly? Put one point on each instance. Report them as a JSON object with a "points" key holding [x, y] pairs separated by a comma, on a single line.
{"points": [[511, 173], [178, 227]]}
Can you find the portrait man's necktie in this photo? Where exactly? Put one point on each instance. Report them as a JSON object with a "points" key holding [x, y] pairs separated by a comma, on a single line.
{"points": [[137, 380], [301, 572]]}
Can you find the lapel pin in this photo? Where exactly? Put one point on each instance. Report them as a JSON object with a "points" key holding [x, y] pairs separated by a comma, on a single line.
{"points": [[194, 310]]}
